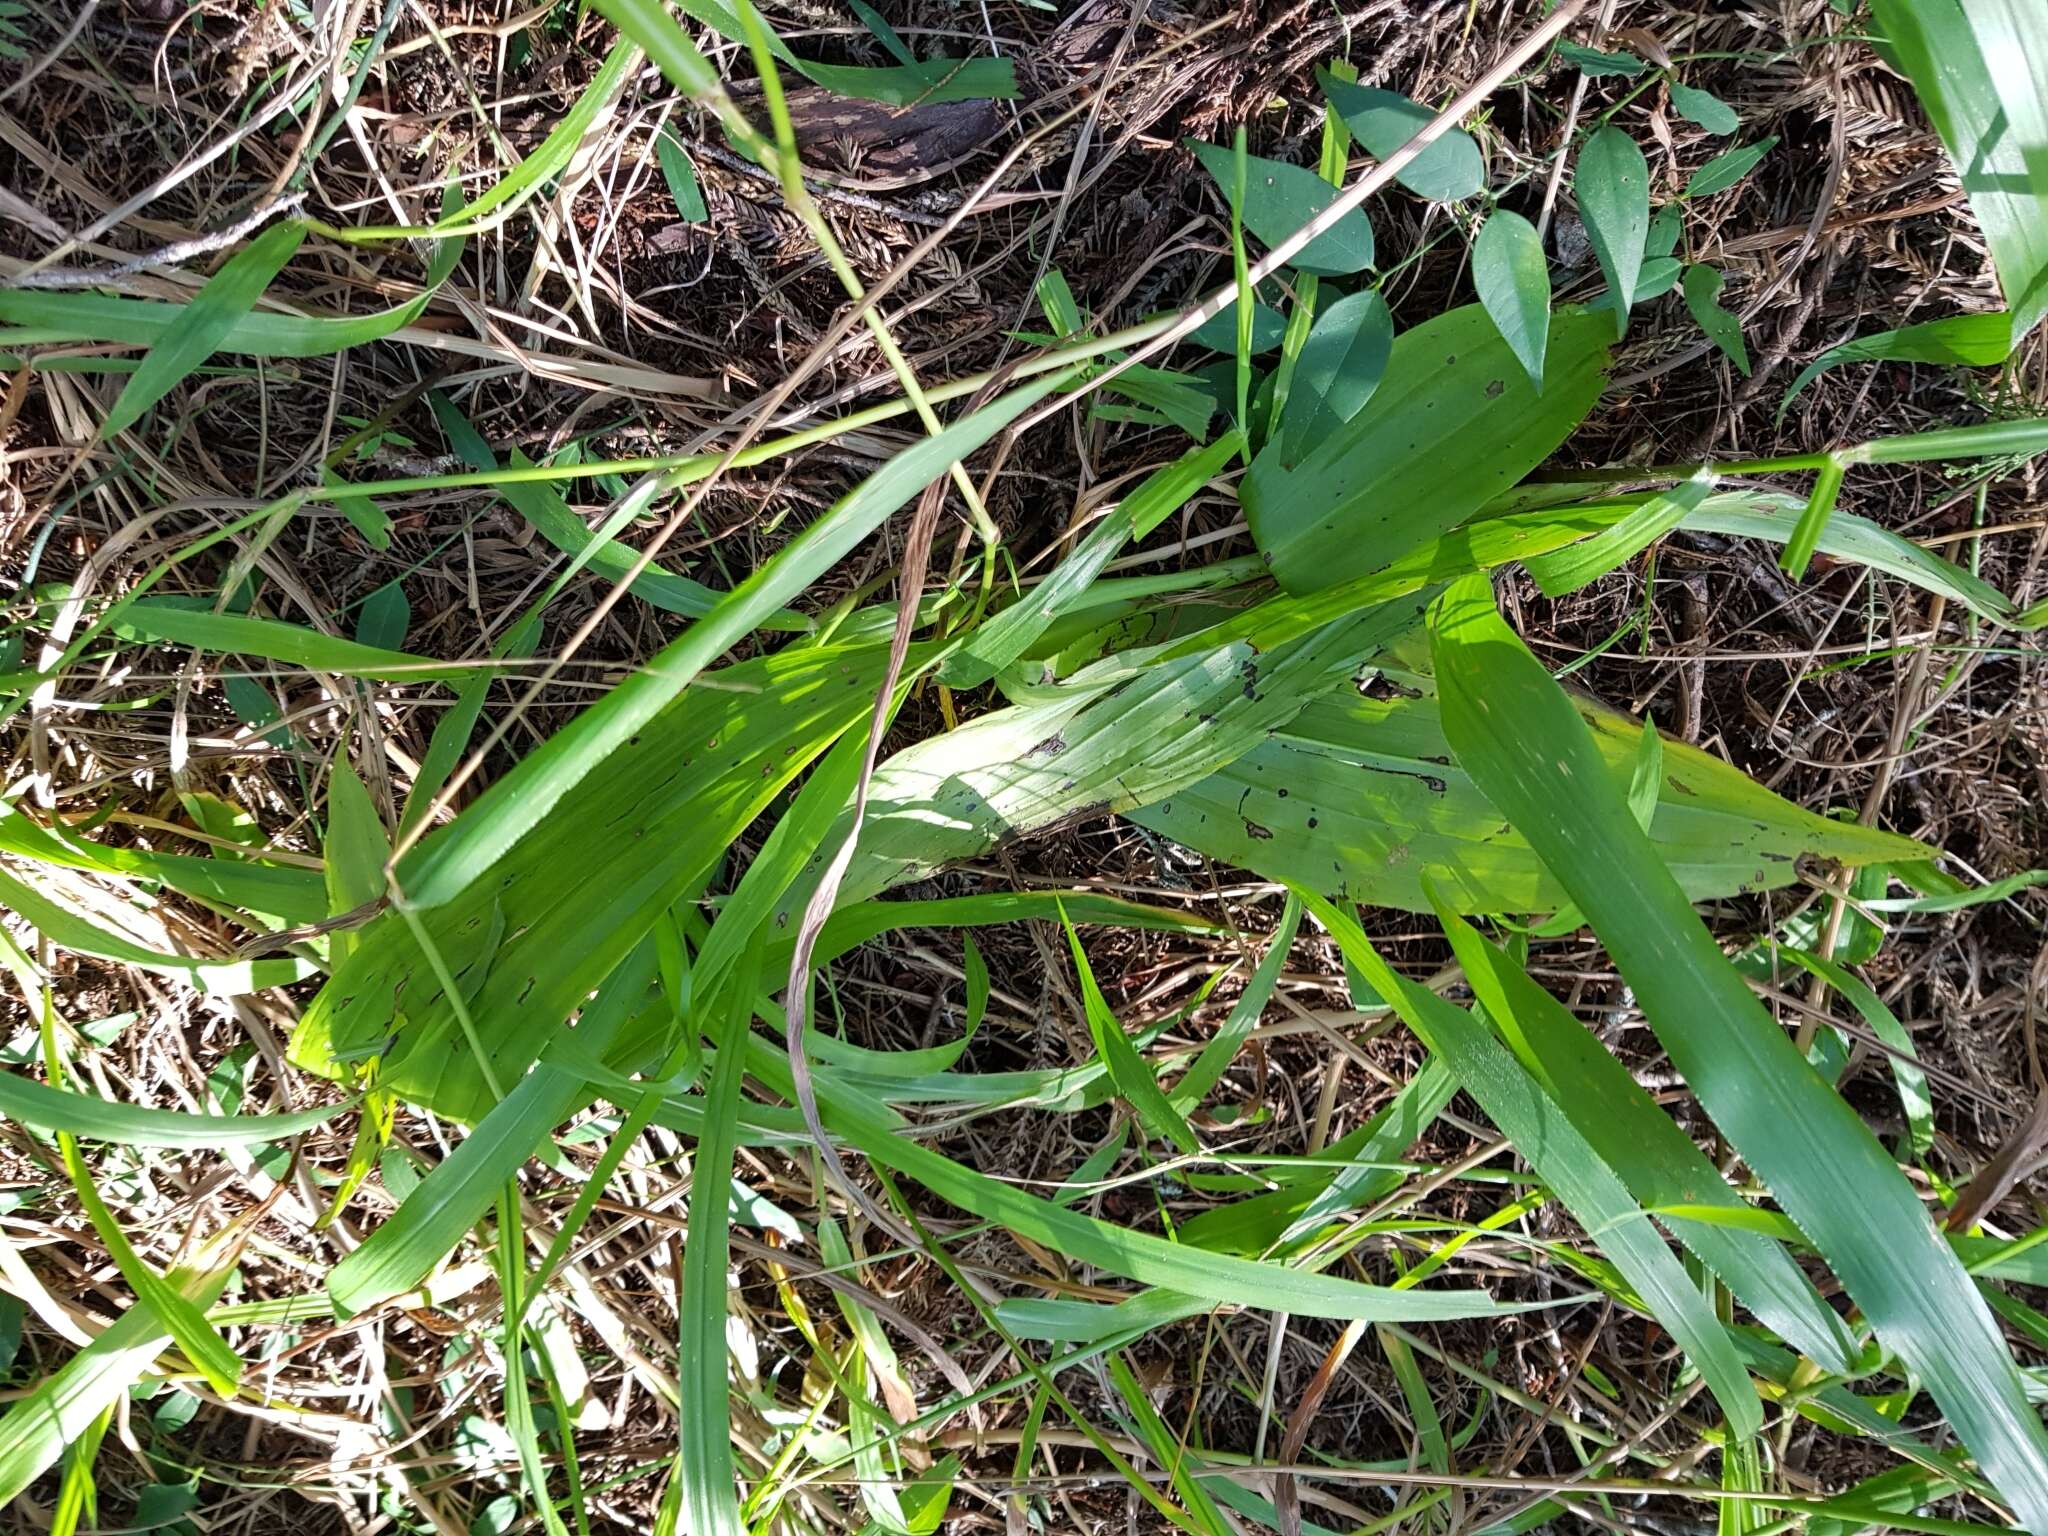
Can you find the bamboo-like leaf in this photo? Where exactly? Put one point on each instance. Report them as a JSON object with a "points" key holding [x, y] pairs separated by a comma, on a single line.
{"points": [[1512, 726], [1568, 569], [1455, 422], [1968, 341], [527, 943], [1985, 104], [1358, 795], [275, 890], [1002, 639]]}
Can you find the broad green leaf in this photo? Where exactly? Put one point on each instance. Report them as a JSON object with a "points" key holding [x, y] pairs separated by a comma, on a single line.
{"points": [[1639, 1141], [1703, 298], [384, 618], [204, 324], [1450, 169], [1122, 733], [1613, 186], [1986, 106], [681, 177], [1280, 198], [1574, 1169], [1002, 639], [1568, 569], [69, 929], [1136, 1082], [1219, 332], [1969, 341], [1372, 799], [1513, 282], [1515, 730], [1338, 369], [1454, 423], [1728, 167], [1594, 63], [1704, 108], [275, 640], [29, 1102], [438, 871], [430, 1222]]}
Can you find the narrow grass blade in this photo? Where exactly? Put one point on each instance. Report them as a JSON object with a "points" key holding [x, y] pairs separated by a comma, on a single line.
{"points": [[64, 1405], [275, 640], [1968, 341], [1568, 569], [438, 871], [1530, 1118], [1657, 1161], [1005, 637], [1515, 730], [1223, 1046], [1913, 1095], [70, 930], [28, 1102], [275, 890], [1135, 1081], [1217, 1278], [203, 324]]}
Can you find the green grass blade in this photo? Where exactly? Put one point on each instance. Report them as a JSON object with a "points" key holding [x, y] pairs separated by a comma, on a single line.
{"points": [[1912, 1082], [1217, 1278], [1515, 730], [1222, 1047], [1657, 1161], [64, 1405], [440, 870], [1135, 1081], [70, 930], [275, 640], [203, 324], [28, 1102], [1968, 341], [1530, 1118]]}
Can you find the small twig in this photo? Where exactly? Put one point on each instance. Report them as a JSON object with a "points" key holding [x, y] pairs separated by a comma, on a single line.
{"points": [[175, 254]]}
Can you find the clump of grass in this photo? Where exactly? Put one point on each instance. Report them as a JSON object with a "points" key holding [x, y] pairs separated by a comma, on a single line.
{"points": [[542, 1103]]}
